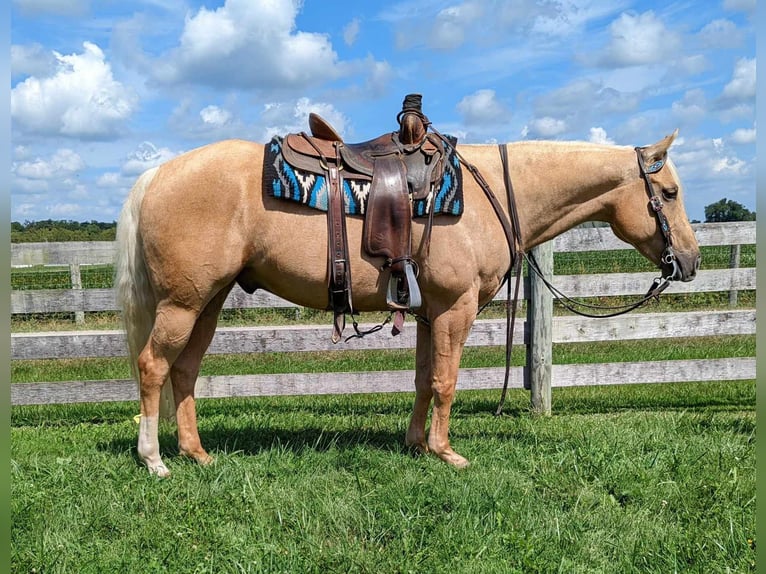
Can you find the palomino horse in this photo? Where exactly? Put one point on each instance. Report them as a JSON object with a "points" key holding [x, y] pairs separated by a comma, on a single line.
{"points": [[197, 225]]}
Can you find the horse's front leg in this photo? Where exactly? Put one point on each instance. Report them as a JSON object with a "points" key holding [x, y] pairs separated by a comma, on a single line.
{"points": [[449, 331]]}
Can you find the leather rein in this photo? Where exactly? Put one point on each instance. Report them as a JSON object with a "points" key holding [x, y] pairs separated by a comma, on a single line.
{"points": [[668, 257], [512, 233]]}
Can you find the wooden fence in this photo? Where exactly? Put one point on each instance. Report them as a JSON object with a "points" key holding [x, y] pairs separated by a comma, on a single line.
{"points": [[539, 375]]}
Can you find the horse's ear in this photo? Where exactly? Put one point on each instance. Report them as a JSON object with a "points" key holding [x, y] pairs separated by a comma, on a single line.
{"points": [[659, 150]]}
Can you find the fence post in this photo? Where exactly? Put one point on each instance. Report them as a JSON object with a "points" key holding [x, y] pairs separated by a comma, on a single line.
{"points": [[74, 276], [734, 264], [540, 321]]}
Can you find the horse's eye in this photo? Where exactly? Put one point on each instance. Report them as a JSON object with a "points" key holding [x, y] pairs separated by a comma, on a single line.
{"points": [[670, 193]]}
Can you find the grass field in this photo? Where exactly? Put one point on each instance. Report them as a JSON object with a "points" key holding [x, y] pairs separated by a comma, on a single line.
{"points": [[646, 479]]}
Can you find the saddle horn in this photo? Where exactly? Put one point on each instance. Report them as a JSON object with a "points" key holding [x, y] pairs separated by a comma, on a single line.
{"points": [[412, 122]]}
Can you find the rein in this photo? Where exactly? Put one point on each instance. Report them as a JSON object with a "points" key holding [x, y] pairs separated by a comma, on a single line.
{"points": [[668, 257], [513, 234]]}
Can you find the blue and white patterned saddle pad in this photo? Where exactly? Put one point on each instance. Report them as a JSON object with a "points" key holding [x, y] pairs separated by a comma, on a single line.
{"points": [[284, 181]]}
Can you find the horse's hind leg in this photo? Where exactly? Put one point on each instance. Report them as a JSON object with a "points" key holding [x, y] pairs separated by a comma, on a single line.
{"points": [[183, 375], [172, 328]]}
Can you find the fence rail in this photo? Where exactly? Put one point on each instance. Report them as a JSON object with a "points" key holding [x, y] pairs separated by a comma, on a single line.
{"points": [[79, 344]]}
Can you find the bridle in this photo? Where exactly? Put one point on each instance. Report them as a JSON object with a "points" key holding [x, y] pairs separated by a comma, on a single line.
{"points": [[668, 255]]}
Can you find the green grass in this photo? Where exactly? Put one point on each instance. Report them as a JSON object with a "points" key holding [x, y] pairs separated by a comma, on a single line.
{"points": [[637, 479]]}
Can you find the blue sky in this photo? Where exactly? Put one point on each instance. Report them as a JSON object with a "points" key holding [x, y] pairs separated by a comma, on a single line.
{"points": [[103, 89]]}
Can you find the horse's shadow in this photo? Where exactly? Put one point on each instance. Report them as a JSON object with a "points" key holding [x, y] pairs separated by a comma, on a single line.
{"points": [[255, 438]]}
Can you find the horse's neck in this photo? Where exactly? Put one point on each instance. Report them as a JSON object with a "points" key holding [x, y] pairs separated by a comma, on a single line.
{"points": [[559, 185]]}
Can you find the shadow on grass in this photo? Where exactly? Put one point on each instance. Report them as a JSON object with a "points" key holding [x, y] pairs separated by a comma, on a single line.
{"points": [[252, 441]]}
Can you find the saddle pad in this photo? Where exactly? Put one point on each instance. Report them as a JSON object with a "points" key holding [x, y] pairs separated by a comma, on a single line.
{"points": [[288, 182]]}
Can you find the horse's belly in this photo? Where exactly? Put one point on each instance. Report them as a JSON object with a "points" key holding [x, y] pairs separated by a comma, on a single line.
{"points": [[290, 259]]}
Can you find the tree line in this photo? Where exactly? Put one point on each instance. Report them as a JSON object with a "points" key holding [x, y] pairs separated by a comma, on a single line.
{"points": [[62, 230], [65, 230]]}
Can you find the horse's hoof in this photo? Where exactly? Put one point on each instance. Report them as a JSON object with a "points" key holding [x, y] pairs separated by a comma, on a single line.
{"points": [[160, 470], [202, 458], [417, 448], [454, 459]]}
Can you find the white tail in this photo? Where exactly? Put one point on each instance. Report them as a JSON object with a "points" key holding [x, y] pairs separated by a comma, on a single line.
{"points": [[134, 292]]}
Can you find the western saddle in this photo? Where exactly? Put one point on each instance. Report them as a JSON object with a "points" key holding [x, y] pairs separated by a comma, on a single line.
{"points": [[400, 167]]}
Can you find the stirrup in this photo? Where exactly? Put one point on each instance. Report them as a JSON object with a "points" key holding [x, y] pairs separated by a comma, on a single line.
{"points": [[414, 299]]}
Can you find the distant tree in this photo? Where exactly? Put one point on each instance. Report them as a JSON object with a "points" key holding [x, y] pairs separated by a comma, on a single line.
{"points": [[727, 210], [65, 230]]}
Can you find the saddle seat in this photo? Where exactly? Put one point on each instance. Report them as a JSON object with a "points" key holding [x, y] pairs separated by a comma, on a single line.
{"points": [[423, 159], [400, 167]]}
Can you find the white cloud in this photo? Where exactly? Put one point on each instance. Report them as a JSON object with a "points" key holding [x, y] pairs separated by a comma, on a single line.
{"points": [[146, 156], [582, 99], [721, 33], [351, 31], [743, 136], [215, 116], [30, 186], [110, 179], [729, 164], [449, 28], [546, 127], [57, 172], [710, 158], [82, 99], [25, 211], [483, 108], [687, 66], [708, 167], [379, 77], [563, 18], [31, 60], [739, 5], [248, 44], [742, 84], [693, 107], [63, 163], [21, 152], [65, 210], [598, 135], [639, 40]]}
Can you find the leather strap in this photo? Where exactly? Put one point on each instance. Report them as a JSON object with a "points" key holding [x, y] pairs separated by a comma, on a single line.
{"points": [[516, 262], [512, 208], [339, 272]]}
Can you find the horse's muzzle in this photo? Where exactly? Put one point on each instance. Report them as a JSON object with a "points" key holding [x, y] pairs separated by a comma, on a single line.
{"points": [[680, 266]]}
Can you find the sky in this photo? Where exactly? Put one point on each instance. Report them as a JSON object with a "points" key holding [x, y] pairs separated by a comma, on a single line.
{"points": [[102, 90]]}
